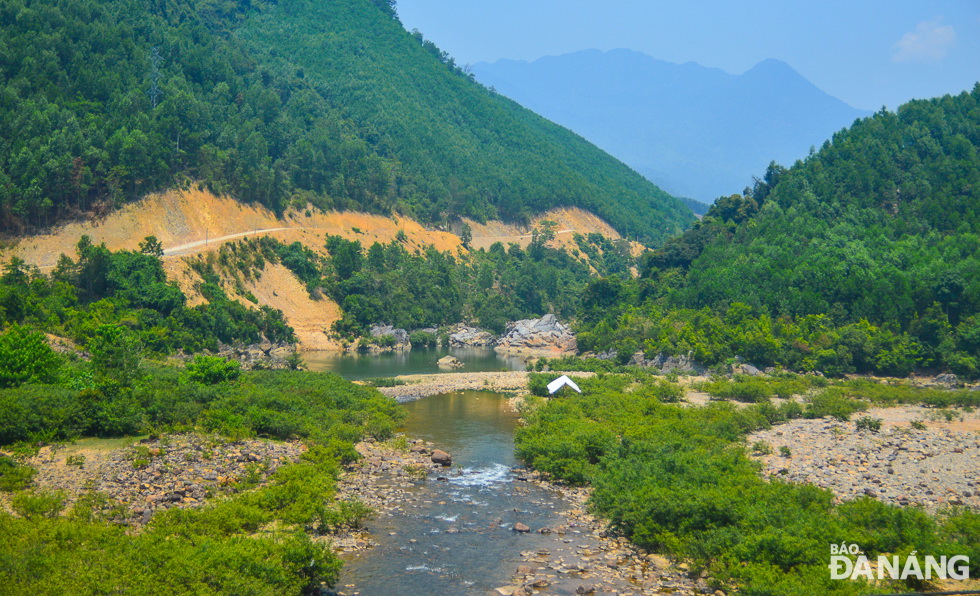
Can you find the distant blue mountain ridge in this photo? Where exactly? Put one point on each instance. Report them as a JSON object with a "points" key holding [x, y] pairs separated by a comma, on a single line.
{"points": [[694, 131]]}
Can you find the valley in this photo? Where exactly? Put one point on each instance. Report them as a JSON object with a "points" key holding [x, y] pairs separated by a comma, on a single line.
{"points": [[285, 290]]}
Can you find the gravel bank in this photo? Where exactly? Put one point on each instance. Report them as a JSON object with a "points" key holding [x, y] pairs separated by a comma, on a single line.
{"points": [[419, 386], [147, 476], [900, 465]]}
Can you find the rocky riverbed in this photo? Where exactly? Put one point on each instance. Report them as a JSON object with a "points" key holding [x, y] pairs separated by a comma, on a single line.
{"points": [[933, 466], [141, 478], [576, 556]]}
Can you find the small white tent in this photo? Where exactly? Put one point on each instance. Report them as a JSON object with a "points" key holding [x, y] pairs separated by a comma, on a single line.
{"points": [[560, 382]]}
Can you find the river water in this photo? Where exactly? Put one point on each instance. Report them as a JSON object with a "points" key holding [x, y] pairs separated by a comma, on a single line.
{"points": [[462, 528], [413, 362]]}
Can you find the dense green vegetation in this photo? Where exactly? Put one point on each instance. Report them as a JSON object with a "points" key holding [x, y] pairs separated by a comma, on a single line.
{"points": [[863, 257], [678, 479], [128, 290], [387, 283], [115, 394], [257, 540], [332, 103]]}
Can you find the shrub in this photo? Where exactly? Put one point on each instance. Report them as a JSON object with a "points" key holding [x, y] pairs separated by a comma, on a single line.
{"points": [[761, 448], [537, 384], [868, 423], [833, 402], [34, 504], [422, 339], [26, 357], [666, 392], [117, 355], [14, 476], [211, 370], [31, 411]]}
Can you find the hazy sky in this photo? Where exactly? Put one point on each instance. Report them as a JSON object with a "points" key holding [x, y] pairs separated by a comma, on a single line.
{"points": [[868, 54]]}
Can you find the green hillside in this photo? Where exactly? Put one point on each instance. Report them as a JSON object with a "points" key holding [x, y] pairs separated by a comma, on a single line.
{"points": [[866, 256], [328, 102]]}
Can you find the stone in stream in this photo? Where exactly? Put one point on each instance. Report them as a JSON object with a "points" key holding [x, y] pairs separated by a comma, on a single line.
{"points": [[449, 362], [519, 527], [441, 457]]}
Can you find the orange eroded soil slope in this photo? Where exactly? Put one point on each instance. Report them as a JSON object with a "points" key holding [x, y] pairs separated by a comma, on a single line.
{"points": [[189, 222], [568, 220]]}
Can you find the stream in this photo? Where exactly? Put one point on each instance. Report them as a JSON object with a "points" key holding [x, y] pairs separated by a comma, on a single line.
{"points": [[456, 536]]}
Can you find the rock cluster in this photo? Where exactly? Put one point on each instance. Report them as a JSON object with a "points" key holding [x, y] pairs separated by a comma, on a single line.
{"points": [[381, 479], [544, 336], [661, 362], [587, 559], [400, 336], [898, 465], [264, 355], [464, 336]]}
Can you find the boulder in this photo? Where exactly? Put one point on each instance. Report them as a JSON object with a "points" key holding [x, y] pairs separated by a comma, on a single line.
{"points": [[441, 457], [522, 528], [400, 335], [947, 380], [662, 362], [470, 337], [746, 369], [449, 362], [545, 336]]}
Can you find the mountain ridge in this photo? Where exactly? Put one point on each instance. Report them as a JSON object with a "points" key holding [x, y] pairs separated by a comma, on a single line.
{"points": [[695, 131]]}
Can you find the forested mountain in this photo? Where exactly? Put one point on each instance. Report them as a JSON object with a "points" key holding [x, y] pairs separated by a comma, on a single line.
{"points": [[866, 256], [694, 131], [331, 102]]}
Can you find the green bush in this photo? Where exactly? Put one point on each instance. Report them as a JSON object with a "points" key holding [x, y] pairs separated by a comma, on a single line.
{"points": [[868, 423], [26, 357], [211, 370], [833, 401], [537, 383], [666, 392], [34, 504], [30, 412], [14, 476], [117, 355], [422, 339]]}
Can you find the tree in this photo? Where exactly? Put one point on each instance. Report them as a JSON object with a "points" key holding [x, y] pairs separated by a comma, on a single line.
{"points": [[151, 246], [26, 357], [117, 355]]}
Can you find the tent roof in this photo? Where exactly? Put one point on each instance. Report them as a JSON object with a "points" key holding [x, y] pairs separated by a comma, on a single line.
{"points": [[561, 382]]}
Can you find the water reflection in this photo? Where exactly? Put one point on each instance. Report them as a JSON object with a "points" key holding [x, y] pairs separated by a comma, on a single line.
{"points": [[416, 361]]}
